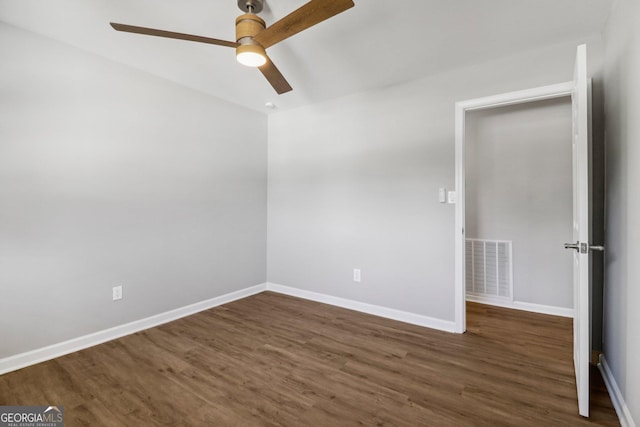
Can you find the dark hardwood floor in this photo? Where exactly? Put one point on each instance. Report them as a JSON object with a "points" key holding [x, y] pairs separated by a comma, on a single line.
{"points": [[273, 360]]}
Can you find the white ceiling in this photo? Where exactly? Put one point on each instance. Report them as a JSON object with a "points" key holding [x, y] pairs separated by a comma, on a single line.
{"points": [[374, 44]]}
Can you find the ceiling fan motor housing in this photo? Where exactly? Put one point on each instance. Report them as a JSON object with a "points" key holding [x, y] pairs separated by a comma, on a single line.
{"points": [[248, 25]]}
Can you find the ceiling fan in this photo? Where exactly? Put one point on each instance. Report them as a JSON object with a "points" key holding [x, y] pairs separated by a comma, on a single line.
{"points": [[253, 37]]}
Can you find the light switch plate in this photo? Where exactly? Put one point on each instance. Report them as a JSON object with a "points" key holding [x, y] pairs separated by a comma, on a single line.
{"points": [[451, 197], [442, 195]]}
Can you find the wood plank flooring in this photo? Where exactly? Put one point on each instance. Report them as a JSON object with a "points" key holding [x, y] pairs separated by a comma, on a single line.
{"points": [[274, 360]]}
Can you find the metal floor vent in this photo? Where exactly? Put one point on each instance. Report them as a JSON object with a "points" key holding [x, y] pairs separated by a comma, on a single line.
{"points": [[489, 268]]}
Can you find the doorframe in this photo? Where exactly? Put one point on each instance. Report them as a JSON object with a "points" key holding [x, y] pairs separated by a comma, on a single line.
{"points": [[510, 98]]}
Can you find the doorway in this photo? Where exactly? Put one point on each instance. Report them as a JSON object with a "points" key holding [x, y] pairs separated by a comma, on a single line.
{"points": [[462, 109], [518, 206]]}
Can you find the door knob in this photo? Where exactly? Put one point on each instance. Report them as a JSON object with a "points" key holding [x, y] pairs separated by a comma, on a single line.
{"points": [[575, 246], [583, 247]]}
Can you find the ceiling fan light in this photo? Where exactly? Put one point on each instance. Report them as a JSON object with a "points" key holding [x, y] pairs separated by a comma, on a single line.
{"points": [[251, 55]]}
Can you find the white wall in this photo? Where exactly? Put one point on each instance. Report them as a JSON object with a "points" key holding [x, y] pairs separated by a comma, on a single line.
{"points": [[109, 176], [353, 184], [518, 188], [622, 288]]}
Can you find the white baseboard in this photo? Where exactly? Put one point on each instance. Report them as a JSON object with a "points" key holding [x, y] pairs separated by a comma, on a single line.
{"points": [[525, 306], [616, 395], [13, 363], [376, 310]]}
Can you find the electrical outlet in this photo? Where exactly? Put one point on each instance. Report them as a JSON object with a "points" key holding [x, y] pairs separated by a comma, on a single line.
{"points": [[117, 292], [356, 275]]}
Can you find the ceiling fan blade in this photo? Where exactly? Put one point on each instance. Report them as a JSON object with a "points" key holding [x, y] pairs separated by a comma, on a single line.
{"points": [[275, 78], [306, 16], [170, 35]]}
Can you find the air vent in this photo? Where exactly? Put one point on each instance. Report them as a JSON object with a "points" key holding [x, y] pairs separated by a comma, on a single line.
{"points": [[489, 268]]}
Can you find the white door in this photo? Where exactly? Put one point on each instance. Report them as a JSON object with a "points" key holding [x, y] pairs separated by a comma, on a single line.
{"points": [[581, 99]]}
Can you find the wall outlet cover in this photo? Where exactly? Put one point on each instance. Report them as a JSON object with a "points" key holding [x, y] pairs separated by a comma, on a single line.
{"points": [[117, 293], [356, 275]]}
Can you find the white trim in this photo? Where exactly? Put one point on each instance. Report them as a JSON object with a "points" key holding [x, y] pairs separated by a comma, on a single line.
{"points": [[519, 97], [624, 414], [32, 357], [376, 310], [460, 312], [525, 306]]}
